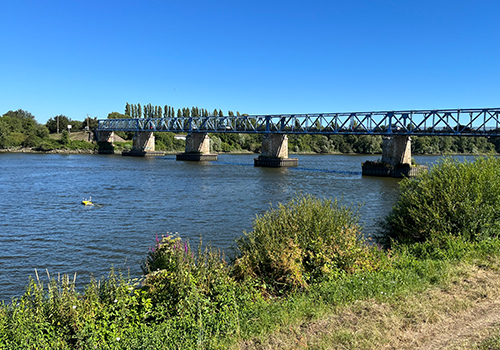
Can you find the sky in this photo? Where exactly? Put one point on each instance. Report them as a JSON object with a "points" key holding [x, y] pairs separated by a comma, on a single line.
{"points": [[79, 58]]}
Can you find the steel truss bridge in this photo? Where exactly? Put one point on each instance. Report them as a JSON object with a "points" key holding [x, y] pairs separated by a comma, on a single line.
{"points": [[446, 122]]}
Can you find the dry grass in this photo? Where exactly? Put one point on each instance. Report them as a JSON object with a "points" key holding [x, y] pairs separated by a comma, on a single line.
{"points": [[458, 315]]}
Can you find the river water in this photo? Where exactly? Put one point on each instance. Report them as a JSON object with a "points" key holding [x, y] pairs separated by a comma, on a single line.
{"points": [[44, 226]]}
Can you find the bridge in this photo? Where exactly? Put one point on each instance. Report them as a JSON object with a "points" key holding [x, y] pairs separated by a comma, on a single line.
{"points": [[396, 126]]}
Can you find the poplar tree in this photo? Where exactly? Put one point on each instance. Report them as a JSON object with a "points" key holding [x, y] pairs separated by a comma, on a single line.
{"points": [[220, 113], [127, 109], [166, 113], [179, 114], [139, 110]]}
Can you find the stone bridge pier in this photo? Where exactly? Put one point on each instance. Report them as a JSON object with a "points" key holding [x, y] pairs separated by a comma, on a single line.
{"points": [[197, 148], [396, 159], [143, 144], [396, 150], [105, 141], [275, 152]]}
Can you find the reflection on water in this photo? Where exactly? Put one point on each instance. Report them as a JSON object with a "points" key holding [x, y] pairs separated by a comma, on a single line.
{"points": [[43, 224]]}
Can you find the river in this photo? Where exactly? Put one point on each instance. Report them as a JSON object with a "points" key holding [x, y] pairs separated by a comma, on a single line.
{"points": [[44, 226]]}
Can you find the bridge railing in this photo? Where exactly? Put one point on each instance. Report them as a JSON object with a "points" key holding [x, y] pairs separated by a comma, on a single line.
{"points": [[449, 122]]}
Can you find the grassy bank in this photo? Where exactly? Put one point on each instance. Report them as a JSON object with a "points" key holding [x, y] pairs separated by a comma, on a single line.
{"points": [[395, 306], [302, 278]]}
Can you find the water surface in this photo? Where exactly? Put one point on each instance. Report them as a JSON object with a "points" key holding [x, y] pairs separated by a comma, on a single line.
{"points": [[44, 226]]}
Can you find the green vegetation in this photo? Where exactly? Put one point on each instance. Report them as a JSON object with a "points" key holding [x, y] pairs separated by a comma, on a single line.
{"points": [[455, 200], [305, 241], [303, 261], [18, 129]]}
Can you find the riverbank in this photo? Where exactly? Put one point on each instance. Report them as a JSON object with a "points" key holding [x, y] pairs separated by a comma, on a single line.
{"points": [[411, 303]]}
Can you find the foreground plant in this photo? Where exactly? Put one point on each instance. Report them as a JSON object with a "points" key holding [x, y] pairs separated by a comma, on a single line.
{"points": [[454, 200], [305, 240]]}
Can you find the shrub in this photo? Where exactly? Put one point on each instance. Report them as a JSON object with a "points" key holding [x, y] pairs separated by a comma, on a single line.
{"points": [[176, 277], [453, 199], [31, 141], [47, 145], [80, 144], [304, 240], [14, 139]]}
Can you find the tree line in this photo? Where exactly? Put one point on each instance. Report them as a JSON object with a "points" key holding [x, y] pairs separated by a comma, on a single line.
{"points": [[150, 111]]}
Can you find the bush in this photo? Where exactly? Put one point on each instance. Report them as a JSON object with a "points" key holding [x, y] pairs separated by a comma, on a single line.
{"points": [[80, 144], [453, 199], [31, 141], [47, 145], [176, 277], [302, 241], [14, 139]]}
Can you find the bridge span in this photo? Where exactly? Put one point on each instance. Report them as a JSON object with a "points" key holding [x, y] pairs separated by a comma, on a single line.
{"points": [[396, 126]]}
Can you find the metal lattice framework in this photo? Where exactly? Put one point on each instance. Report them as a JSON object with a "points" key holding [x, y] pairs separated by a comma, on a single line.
{"points": [[448, 122]]}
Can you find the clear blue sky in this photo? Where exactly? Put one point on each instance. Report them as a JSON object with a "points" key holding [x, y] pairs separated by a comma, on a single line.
{"points": [[77, 57]]}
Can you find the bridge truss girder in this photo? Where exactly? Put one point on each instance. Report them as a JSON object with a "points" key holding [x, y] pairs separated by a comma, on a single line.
{"points": [[447, 122]]}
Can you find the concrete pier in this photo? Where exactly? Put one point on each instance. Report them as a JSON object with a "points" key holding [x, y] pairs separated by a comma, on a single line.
{"points": [[396, 159], [275, 152], [197, 148], [396, 150], [105, 141], [143, 144]]}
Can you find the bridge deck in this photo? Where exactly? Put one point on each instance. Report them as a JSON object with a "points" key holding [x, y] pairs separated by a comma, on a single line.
{"points": [[447, 122]]}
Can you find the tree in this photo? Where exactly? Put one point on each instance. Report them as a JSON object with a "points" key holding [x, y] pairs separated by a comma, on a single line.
{"points": [[65, 138], [61, 120], [116, 115], [20, 114], [127, 110], [139, 111], [4, 133]]}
